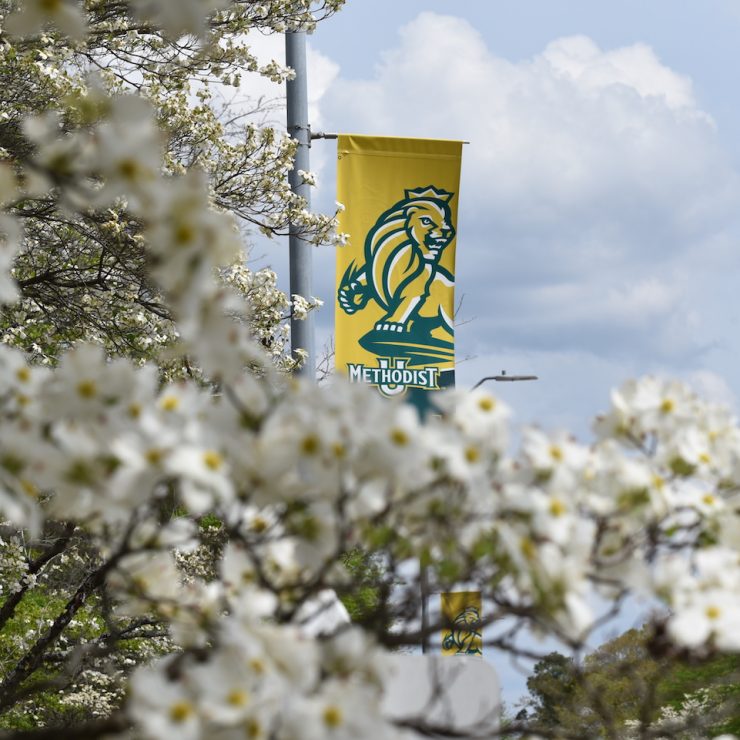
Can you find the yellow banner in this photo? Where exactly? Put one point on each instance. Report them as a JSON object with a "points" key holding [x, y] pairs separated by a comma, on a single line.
{"points": [[395, 277], [462, 633]]}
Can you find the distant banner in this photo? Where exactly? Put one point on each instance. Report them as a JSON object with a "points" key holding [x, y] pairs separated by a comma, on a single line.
{"points": [[395, 277], [461, 616]]}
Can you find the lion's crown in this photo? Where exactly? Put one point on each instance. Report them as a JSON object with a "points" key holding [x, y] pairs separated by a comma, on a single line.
{"points": [[429, 192]]}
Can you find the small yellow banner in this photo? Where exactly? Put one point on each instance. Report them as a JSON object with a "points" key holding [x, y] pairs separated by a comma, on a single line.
{"points": [[462, 633], [395, 277]]}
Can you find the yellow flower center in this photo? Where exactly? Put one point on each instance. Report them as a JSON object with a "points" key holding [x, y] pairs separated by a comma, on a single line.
{"points": [[238, 698], [528, 548], [23, 374], [399, 437], [708, 499], [667, 406], [253, 729], [259, 524], [213, 460], [704, 458], [181, 711], [134, 410], [556, 453], [713, 612], [472, 454], [339, 450], [153, 456], [257, 665], [170, 403], [184, 234], [486, 404], [128, 169], [87, 389], [29, 488], [332, 717], [310, 445], [557, 507]]}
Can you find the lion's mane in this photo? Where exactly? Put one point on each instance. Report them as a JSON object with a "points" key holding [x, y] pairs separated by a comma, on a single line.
{"points": [[388, 241]]}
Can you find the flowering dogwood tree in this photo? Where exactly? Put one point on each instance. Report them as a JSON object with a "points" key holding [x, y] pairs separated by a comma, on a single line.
{"points": [[279, 480], [82, 266]]}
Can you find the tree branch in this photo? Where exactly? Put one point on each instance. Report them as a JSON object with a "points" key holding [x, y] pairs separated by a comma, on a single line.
{"points": [[9, 606], [9, 689]]}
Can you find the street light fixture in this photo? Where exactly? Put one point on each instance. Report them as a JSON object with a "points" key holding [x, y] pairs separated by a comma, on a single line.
{"points": [[505, 378]]}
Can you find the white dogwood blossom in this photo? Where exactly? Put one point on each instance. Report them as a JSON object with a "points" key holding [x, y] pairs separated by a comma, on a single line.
{"points": [[33, 15], [289, 479], [300, 474], [178, 19]]}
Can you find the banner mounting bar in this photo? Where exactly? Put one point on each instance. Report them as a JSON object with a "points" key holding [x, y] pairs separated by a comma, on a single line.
{"points": [[327, 135]]}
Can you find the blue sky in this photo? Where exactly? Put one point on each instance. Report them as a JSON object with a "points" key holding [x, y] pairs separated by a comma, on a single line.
{"points": [[599, 224]]}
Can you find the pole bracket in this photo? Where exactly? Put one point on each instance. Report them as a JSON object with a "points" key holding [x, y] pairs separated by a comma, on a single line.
{"points": [[293, 130]]}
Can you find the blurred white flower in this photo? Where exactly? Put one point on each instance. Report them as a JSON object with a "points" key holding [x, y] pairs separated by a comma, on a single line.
{"points": [[65, 15]]}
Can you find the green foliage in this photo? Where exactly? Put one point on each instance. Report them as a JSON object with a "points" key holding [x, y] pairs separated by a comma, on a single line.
{"points": [[81, 674], [366, 595], [623, 681], [48, 706], [722, 674], [551, 687]]}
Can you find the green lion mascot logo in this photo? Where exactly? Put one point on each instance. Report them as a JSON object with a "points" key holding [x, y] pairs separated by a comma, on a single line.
{"points": [[465, 635], [402, 254]]}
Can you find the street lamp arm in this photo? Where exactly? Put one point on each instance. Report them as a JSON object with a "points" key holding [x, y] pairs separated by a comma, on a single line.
{"points": [[503, 378]]}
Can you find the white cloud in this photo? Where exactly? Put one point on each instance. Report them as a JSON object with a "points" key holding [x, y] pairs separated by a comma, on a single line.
{"points": [[636, 67], [550, 136], [592, 183], [712, 387], [321, 72], [642, 301]]}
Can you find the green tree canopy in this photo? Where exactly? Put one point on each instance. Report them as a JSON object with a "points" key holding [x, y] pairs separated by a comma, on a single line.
{"points": [[626, 681]]}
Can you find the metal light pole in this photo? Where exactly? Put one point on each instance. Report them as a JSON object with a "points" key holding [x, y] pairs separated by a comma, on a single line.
{"points": [[301, 275], [423, 574]]}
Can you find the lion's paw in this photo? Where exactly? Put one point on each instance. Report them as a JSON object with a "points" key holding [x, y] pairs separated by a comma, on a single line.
{"points": [[389, 326], [352, 297]]}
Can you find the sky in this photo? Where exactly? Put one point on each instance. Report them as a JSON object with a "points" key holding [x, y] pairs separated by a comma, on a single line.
{"points": [[599, 223]]}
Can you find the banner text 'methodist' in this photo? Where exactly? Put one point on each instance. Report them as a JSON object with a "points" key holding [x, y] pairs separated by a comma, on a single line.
{"points": [[398, 377]]}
